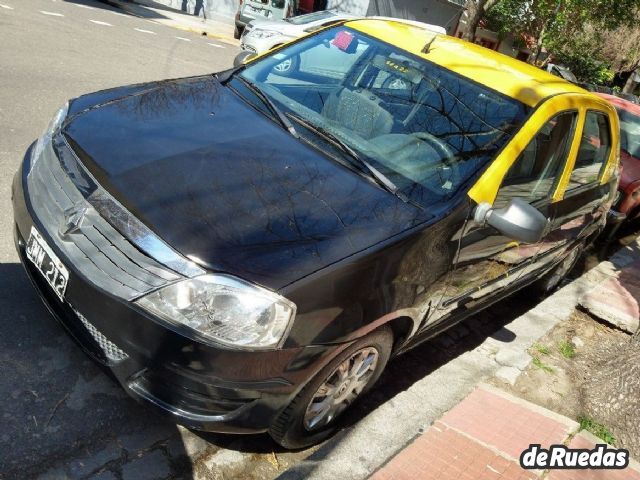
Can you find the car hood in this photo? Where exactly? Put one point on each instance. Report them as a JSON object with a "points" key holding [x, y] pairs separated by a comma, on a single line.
{"points": [[226, 186]]}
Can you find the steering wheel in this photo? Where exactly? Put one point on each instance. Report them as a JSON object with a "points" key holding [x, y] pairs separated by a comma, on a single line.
{"points": [[449, 174]]}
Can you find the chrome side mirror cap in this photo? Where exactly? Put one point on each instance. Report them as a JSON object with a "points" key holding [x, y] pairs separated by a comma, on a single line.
{"points": [[518, 220]]}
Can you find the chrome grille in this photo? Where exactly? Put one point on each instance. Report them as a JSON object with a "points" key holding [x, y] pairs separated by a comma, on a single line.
{"points": [[95, 248], [110, 349]]}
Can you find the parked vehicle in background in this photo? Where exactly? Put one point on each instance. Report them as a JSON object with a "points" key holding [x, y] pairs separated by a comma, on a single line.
{"points": [[592, 87], [245, 251], [562, 72], [261, 35], [627, 203], [249, 10], [629, 97]]}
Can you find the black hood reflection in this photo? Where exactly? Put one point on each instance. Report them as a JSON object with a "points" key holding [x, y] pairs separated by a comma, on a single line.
{"points": [[228, 187]]}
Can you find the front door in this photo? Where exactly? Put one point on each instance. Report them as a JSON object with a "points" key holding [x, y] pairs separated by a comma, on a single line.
{"points": [[489, 262]]}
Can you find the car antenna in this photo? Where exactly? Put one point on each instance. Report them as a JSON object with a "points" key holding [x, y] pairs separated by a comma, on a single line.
{"points": [[427, 46]]}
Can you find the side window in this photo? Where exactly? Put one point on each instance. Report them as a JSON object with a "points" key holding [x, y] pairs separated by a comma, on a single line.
{"points": [[594, 151], [533, 175]]}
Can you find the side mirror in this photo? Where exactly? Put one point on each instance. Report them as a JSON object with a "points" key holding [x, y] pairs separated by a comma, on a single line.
{"points": [[243, 57], [518, 220]]}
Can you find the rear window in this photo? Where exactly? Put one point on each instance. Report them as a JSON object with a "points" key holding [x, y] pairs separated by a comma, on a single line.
{"points": [[629, 133], [595, 147]]}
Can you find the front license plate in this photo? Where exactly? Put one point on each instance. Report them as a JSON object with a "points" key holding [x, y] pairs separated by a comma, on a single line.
{"points": [[50, 266]]}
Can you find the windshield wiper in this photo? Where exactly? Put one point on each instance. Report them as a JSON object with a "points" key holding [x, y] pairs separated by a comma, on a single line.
{"points": [[269, 103], [380, 178]]}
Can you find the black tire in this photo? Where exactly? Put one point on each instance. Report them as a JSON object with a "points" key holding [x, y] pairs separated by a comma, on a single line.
{"points": [[552, 279], [237, 32], [288, 429]]}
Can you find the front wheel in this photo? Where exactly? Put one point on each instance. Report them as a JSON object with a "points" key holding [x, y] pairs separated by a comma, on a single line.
{"points": [[311, 417]]}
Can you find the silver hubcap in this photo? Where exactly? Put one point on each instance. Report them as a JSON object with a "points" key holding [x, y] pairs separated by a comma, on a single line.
{"points": [[284, 66], [341, 388]]}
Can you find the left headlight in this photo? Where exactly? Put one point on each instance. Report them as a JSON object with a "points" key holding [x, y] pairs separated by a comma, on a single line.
{"points": [[53, 126], [223, 310], [263, 33]]}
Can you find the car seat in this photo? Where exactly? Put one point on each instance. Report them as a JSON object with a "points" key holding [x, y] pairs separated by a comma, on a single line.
{"points": [[359, 111]]}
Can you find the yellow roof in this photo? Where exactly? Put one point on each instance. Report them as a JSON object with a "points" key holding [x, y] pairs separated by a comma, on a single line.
{"points": [[500, 72]]}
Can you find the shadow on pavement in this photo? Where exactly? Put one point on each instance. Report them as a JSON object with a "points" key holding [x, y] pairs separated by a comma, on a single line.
{"points": [[61, 414]]}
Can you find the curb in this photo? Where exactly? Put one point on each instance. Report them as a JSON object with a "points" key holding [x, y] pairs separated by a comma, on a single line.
{"points": [[572, 425], [228, 39]]}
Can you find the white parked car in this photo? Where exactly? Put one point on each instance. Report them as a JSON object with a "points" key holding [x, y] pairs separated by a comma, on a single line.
{"points": [[262, 35]]}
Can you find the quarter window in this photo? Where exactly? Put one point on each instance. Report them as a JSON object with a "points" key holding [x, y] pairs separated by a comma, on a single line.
{"points": [[595, 147], [534, 174]]}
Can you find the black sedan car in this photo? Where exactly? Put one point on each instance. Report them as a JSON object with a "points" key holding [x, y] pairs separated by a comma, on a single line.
{"points": [[245, 251]]}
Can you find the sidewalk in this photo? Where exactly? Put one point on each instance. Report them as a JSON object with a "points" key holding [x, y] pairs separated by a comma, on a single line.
{"points": [[482, 438], [221, 29], [614, 298]]}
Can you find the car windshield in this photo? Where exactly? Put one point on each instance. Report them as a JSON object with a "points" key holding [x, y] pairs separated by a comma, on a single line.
{"points": [[629, 132], [310, 17], [425, 128]]}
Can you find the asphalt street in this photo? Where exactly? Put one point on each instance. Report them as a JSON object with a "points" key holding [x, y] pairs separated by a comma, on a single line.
{"points": [[54, 400]]}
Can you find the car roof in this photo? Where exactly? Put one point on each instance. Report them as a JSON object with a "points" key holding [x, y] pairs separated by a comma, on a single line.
{"points": [[509, 76], [622, 103]]}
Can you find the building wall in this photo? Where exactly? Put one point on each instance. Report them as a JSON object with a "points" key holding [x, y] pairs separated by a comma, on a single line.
{"points": [[215, 8], [437, 12]]}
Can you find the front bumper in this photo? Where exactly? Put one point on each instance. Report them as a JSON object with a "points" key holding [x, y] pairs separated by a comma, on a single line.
{"points": [[200, 386]]}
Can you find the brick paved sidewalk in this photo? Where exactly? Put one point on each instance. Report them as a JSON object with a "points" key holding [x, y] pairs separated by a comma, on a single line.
{"points": [[482, 438]]}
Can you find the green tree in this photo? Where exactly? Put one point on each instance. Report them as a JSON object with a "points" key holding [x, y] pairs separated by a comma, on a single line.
{"points": [[556, 24], [476, 11]]}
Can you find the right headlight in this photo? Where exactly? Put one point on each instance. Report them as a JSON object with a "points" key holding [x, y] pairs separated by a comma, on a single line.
{"points": [[224, 310]]}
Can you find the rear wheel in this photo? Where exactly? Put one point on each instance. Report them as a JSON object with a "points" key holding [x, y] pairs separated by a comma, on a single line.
{"points": [[312, 415]]}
